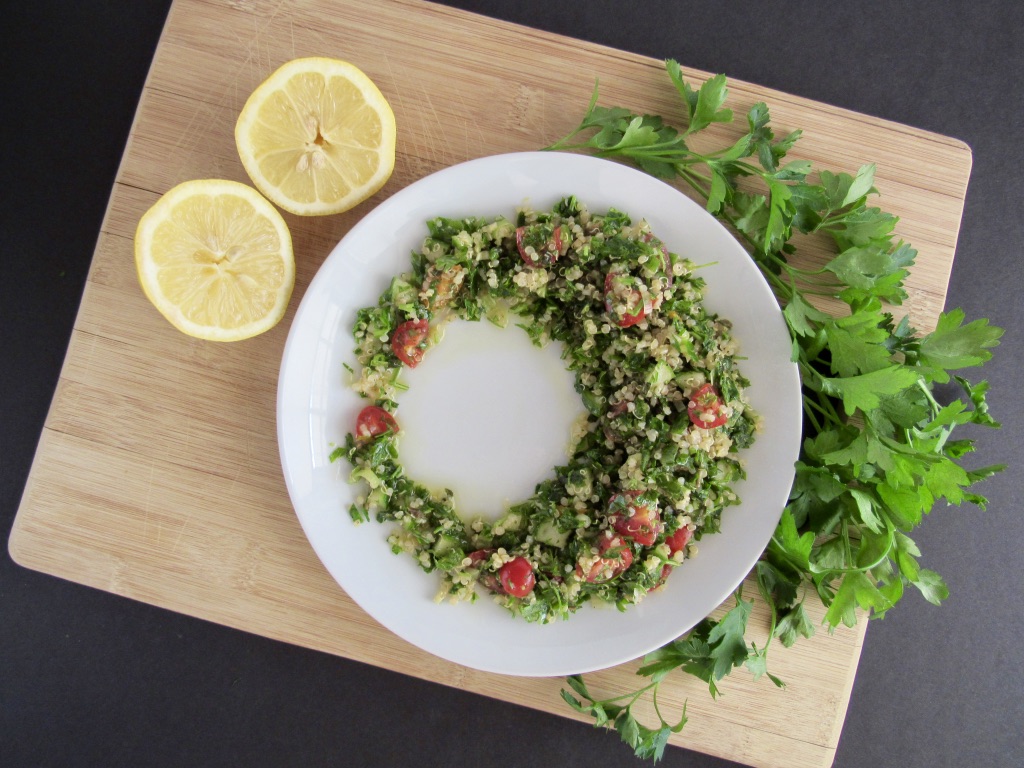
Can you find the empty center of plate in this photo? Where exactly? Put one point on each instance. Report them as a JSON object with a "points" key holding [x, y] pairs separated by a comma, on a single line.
{"points": [[487, 415]]}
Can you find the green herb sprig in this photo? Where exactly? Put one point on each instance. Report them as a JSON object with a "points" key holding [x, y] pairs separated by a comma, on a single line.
{"points": [[878, 452]]}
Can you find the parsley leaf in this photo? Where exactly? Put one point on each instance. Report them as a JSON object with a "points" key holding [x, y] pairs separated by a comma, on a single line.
{"points": [[864, 392], [953, 345], [726, 639], [932, 586], [802, 317], [794, 624], [870, 265], [857, 343], [705, 105]]}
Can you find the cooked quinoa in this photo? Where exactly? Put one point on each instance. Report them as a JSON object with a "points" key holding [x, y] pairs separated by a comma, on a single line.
{"points": [[651, 466]]}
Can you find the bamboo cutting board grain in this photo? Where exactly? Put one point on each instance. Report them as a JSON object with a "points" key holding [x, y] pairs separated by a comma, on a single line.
{"points": [[157, 474]]}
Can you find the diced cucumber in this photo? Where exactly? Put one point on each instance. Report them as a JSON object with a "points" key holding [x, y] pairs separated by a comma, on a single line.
{"points": [[548, 533]]}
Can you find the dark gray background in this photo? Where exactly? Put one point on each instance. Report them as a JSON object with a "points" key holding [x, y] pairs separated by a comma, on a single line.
{"points": [[88, 678]]}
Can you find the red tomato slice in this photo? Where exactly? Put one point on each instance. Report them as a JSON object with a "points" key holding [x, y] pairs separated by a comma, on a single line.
{"points": [[616, 557], [406, 340], [621, 289], [517, 577], [677, 541], [546, 247], [707, 402], [638, 522], [373, 421]]}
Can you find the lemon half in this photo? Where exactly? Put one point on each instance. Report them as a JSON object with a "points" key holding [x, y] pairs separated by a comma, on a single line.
{"points": [[317, 137], [215, 258]]}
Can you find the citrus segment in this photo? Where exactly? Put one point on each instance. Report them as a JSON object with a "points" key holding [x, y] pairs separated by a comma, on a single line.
{"points": [[215, 258], [317, 137]]}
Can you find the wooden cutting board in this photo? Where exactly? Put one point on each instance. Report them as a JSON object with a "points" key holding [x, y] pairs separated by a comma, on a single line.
{"points": [[157, 473]]}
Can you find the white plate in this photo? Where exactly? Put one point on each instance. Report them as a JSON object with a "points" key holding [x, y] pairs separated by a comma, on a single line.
{"points": [[316, 408]]}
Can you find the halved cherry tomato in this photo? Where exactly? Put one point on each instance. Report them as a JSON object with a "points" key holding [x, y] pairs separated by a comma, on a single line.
{"points": [[615, 558], [517, 577], [705, 403], [676, 543], [621, 289], [541, 244], [406, 340], [373, 421], [635, 521]]}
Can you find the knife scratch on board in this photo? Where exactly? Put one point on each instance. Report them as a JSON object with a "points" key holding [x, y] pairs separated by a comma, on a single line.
{"points": [[181, 532], [481, 142], [438, 135]]}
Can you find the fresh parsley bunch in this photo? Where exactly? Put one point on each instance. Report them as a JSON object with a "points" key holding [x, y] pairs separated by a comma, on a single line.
{"points": [[880, 403]]}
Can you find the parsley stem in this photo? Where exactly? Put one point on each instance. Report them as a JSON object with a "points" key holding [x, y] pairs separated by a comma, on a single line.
{"points": [[780, 288], [808, 404], [769, 600], [935, 406], [807, 291], [827, 402], [657, 711], [805, 275], [632, 695], [694, 179]]}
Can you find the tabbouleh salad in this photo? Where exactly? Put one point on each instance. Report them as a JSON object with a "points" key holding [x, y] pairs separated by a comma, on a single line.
{"points": [[652, 464]]}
